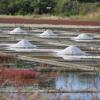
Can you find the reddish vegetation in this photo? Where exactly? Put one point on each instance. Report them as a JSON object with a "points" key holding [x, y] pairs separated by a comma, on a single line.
{"points": [[18, 76], [46, 21]]}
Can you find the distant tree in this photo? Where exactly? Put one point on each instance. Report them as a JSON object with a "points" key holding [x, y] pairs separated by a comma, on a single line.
{"points": [[43, 6], [24, 6], [12, 8], [85, 1], [71, 7], [4, 7], [67, 7], [57, 7]]}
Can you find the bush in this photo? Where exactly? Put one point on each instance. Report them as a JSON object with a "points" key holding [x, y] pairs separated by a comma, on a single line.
{"points": [[54, 7], [86, 8]]}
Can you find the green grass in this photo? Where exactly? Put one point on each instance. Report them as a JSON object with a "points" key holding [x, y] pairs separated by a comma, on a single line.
{"points": [[89, 17]]}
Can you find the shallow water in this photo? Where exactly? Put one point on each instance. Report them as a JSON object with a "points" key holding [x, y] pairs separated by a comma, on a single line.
{"points": [[76, 81], [69, 82], [74, 96]]}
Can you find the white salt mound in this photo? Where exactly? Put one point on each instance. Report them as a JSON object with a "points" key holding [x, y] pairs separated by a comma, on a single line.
{"points": [[47, 33], [23, 44], [72, 50], [18, 31], [84, 37]]}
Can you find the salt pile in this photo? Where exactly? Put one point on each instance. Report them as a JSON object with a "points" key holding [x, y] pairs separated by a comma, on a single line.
{"points": [[84, 37], [47, 33], [18, 31], [72, 50], [23, 44]]}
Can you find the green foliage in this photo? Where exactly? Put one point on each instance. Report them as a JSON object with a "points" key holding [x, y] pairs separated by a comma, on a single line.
{"points": [[88, 1], [56, 7], [4, 6], [59, 6], [71, 7], [88, 8]]}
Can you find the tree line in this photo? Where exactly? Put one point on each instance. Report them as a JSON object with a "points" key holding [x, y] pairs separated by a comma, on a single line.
{"points": [[54, 7]]}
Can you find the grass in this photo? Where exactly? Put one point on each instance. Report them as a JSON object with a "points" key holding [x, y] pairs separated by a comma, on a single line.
{"points": [[89, 17], [95, 16]]}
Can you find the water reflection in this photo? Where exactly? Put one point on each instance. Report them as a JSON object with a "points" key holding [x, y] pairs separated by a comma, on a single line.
{"points": [[74, 96], [65, 81], [50, 96], [77, 81]]}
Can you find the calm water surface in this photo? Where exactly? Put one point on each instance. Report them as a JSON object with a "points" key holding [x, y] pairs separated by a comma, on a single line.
{"points": [[76, 81]]}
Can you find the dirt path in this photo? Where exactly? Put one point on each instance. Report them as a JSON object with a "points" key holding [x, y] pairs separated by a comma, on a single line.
{"points": [[46, 21], [52, 22]]}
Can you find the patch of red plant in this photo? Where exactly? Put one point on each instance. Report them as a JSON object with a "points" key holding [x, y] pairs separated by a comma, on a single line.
{"points": [[19, 76]]}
